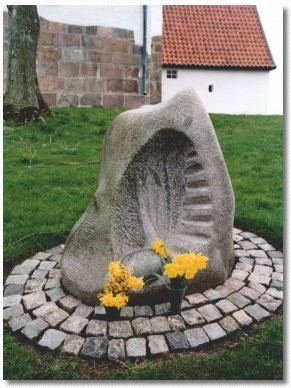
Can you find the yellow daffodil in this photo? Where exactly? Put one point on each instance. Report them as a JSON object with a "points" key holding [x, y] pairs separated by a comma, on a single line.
{"points": [[160, 249]]}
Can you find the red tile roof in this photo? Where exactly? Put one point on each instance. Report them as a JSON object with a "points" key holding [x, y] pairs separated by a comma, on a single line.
{"points": [[214, 36]]}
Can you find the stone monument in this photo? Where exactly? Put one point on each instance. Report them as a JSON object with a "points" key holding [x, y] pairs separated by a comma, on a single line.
{"points": [[162, 175]]}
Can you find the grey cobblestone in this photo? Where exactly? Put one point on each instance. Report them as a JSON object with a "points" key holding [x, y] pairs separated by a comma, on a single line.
{"points": [[100, 311], [31, 263], [177, 341], [45, 309], [47, 265], [277, 261], [136, 347], [239, 300], [126, 312], [244, 266], [241, 253], [196, 299], [34, 300], [163, 308], [214, 331], [262, 270], [35, 328], [245, 244], [160, 324], [157, 344], [192, 317], [55, 273], [96, 328], [210, 312], [258, 253], [116, 349], [242, 318], [176, 322], [95, 347], [277, 294], [269, 303], [257, 287], [257, 312], [234, 283], [52, 283], [14, 289], [56, 317], [196, 337], [263, 261], [52, 339], [34, 285], [250, 293], [55, 294], [12, 300], [19, 322], [74, 324], [266, 247], [22, 269], [248, 235], [82, 310], [120, 329], [142, 326], [257, 278], [229, 324], [225, 306], [42, 256], [258, 240], [72, 344], [278, 268], [16, 279], [239, 274], [212, 295], [13, 312], [225, 291], [39, 274], [277, 276], [69, 303], [247, 260], [277, 254], [143, 311]]}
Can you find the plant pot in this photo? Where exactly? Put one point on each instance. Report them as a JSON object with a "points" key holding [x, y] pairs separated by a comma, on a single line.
{"points": [[112, 313], [176, 298]]}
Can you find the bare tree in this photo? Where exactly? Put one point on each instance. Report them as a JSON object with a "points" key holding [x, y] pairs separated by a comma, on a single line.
{"points": [[23, 100]]}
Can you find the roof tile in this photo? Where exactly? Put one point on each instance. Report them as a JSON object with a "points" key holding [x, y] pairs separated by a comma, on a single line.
{"points": [[217, 36]]}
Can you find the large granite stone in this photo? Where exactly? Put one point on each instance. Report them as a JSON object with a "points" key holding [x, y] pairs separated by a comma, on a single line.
{"points": [[72, 344], [34, 328], [34, 300], [162, 174], [177, 341], [14, 289], [116, 349], [120, 329], [13, 312], [74, 324], [96, 327], [12, 300], [196, 337], [157, 344], [136, 347], [52, 339]]}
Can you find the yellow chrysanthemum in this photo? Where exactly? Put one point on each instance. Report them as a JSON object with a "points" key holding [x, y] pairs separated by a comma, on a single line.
{"points": [[172, 270], [108, 300], [160, 249], [185, 265]]}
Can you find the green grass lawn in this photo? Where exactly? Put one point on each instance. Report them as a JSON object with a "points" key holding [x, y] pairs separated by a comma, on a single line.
{"points": [[50, 176]]}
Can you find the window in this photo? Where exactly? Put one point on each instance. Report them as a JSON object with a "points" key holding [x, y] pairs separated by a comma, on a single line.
{"points": [[210, 88], [171, 73]]}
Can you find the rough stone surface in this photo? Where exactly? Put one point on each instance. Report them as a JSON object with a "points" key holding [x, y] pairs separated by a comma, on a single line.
{"points": [[277, 294], [157, 344], [52, 283], [263, 261], [176, 322], [47, 265], [69, 303], [56, 317], [55, 294], [262, 270], [163, 308], [257, 278], [257, 240], [13, 312], [45, 309], [31, 263], [241, 253], [229, 324], [22, 269], [34, 328], [177, 341], [74, 324], [133, 190], [34, 285], [225, 291], [225, 306], [277, 276], [39, 273], [72, 344], [42, 256], [95, 347], [210, 312], [34, 300], [55, 273], [12, 300], [136, 347], [250, 293], [242, 318], [142, 326], [13, 289], [269, 303], [244, 267], [266, 247], [238, 300], [239, 274], [160, 324], [248, 260], [192, 317], [196, 337], [96, 327], [277, 254], [100, 311], [257, 287], [116, 349], [126, 312], [212, 295], [120, 329], [82, 310], [52, 339], [257, 312], [16, 279], [234, 283], [247, 245], [214, 331], [196, 299], [258, 253], [19, 322], [143, 311]]}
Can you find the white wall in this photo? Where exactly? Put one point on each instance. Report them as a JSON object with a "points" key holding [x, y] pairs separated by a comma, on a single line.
{"points": [[234, 92]]}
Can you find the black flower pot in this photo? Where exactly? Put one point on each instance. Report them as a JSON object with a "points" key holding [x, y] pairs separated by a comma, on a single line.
{"points": [[112, 313], [176, 297]]}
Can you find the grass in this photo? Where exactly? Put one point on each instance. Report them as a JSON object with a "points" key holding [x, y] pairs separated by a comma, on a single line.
{"points": [[50, 176]]}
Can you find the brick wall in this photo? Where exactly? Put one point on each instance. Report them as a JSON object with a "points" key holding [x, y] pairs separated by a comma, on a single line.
{"points": [[91, 66]]}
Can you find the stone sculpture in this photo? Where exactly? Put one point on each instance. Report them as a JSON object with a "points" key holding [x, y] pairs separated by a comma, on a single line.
{"points": [[162, 175]]}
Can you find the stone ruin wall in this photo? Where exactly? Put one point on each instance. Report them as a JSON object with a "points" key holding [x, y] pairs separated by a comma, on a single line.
{"points": [[91, 66]]}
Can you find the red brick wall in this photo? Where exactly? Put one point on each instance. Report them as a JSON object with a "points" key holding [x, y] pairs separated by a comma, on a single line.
{"points": [[91, 66]]}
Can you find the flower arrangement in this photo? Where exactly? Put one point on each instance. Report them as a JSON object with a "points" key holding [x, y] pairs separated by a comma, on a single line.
{"points": [[119, 284], [178, 270]]}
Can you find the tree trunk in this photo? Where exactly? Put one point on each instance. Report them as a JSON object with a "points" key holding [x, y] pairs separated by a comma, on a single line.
{"points": [[23, 100]]}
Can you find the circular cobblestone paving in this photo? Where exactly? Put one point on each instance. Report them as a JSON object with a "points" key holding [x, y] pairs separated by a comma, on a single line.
{"points": [[36, 305]]}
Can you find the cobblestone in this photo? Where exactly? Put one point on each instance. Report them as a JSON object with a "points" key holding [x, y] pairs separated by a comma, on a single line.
{"points": [[214, 331], [163, 333], [196, 337], [72, 344], [35, 328], [136, 347], [34, 300], [258, 240], [95, 347], [157, 344]]}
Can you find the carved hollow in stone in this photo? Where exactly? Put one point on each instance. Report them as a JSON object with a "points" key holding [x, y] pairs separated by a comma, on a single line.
{"points": [[163, 175]]}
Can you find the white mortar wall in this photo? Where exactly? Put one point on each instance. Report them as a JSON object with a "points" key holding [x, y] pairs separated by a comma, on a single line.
{"points": [[234, 92]]}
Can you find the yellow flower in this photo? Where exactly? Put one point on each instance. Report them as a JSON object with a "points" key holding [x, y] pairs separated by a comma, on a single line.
{"points": [[134, 282], [160, 249], [108, 300], [172, 270], [185, 265]]}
